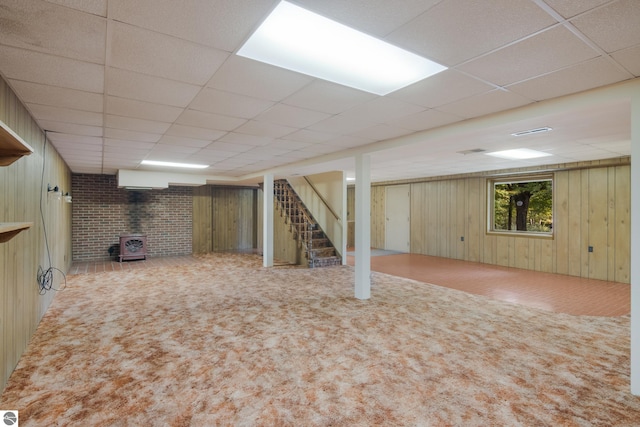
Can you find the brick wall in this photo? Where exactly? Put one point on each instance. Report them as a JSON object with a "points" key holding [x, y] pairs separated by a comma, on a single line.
{"points": [[101, 212]]}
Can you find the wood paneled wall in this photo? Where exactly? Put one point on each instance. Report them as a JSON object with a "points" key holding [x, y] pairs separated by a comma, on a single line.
{"points": [[23, 192], [224, 219], [592, 208]]}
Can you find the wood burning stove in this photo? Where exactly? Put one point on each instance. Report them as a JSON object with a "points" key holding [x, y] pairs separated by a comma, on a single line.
{"points": [[133, 246]]}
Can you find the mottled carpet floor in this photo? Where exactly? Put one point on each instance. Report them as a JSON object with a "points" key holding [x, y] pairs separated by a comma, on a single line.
{"points": [[224, 341]]}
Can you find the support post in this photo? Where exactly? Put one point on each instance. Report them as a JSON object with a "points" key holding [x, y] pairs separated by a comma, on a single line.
{"points": [[635, 241], [363, 227], [267, 224]]}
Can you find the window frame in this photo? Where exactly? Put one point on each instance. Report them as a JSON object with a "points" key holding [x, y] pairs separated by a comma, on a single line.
{"points": [[492, 182]]}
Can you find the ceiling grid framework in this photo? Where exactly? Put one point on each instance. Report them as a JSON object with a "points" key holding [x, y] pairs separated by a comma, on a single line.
{"points": [[120, 81]]}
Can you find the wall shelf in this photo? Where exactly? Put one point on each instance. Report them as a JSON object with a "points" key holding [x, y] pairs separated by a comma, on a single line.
{"points": [[9, 229], [12, 147]]}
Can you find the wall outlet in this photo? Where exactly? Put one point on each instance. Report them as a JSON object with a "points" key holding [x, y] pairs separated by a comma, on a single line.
{"points": [[590, 248], [462, 238]]}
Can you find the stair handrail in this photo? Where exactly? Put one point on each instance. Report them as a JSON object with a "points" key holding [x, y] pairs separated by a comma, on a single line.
{"points": [[322, 199]]}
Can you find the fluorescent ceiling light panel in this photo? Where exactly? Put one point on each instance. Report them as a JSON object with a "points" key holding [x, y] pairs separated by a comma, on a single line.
{"points": [[532, 131], [296, 39], [173, 165], [518, 154]]}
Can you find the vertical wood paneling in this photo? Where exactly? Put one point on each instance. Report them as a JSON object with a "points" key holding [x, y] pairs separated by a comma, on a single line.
{"points": [[377, 216], [459, 212], [622, 221], [598, 223], [416, 225], [226, 219], [575, 245], [611, 223], [202, 220], [21, 305], [474, 220], [561, 227], [591, 207]]}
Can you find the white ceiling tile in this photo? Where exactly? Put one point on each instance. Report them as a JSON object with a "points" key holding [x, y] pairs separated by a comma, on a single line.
{"points": [[137, 125], [264, 153], [544, 53], [141, 110], [75, 140], [222, 24], [629, 59], [246, 139], [94, 7], [271, 130], [485, 103], [288, 144], [194, 132], [67, 115], [57, 96], [424, 120], [597, 25], [233, 147], [55, 30], [310, 136], [570, 8], [381, 110], [255, 79], [209, 121], [52, 70], [127, 84], [321, 148], [213, 155], [124, 153], [297, 155], [328, 97], [124, 134], [127, 144], [147, 52], [170, 149], [441, 89], [291, 116], [344, 142], [340, 125], [70, 128], [584, 76], [72, 148], [382, 132], [182, 141], [455, 31], [229, 104]]}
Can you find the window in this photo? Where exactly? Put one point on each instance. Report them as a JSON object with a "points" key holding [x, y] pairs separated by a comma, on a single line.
{"points": [[522, 205]]}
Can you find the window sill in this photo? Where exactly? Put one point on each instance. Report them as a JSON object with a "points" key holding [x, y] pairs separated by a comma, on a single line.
{"points": [[531, 235]]}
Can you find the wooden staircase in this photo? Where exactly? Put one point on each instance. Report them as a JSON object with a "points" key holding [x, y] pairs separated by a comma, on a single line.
{"points": [[319, 250]]}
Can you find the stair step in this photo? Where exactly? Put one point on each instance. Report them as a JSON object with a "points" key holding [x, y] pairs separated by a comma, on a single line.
{"points": [[320, 243], [325, 262]]}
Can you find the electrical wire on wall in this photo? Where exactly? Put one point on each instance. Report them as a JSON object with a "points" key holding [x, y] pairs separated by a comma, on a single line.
{"points": [[45, 277]]}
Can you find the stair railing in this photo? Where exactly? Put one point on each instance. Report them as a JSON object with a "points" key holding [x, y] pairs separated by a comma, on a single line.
{"points": [[293, 207]]}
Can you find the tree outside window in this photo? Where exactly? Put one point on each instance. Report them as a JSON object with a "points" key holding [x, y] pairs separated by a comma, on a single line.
{"points": [[522, 205]]}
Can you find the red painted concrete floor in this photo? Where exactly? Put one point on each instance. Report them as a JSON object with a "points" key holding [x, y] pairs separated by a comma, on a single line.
{"points": [[553, 292]]}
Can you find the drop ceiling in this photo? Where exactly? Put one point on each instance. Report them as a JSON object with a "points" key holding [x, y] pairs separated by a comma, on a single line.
{"points": [[114, 82]]}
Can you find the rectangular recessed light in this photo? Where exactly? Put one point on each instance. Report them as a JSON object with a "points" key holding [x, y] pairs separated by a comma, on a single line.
{"points": [[296, 39], [532, 131], [173, 165], [518, 154]]}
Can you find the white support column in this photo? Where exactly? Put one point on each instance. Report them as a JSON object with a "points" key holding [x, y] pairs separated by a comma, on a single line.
{"points": [[345, 223], [635, 242], [363, 227], [267, 221]]}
